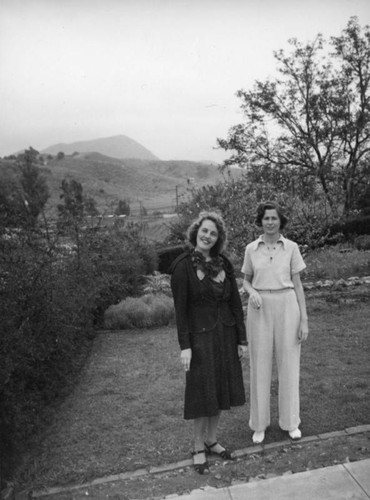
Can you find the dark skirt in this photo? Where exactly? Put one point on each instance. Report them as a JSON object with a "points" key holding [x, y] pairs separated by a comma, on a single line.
{"points": [[215, 379]]}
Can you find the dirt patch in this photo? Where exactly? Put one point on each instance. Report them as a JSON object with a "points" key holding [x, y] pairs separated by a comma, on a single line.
{"points": [[288, 458]]}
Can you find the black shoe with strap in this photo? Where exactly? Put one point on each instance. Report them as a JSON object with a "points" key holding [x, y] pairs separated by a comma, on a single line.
{"points": [[200, 468], [225, 454]]}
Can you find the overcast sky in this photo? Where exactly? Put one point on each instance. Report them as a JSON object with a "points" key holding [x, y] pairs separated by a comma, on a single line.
{"points": [[163, 72]]}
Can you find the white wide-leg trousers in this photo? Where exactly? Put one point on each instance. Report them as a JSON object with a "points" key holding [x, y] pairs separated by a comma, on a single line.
{"points": [[274, 327]]}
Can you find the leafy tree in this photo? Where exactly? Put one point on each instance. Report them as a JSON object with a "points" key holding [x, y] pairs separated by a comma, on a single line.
{"points": [[11, 205], [90, 206], [311, 122], [23, 197], [60, 155], [237, 200], [123, 208], [73, 201], [72, 212], [35, 191]]}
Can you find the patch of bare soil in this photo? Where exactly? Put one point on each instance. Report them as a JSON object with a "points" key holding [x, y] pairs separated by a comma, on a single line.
{"points": [[289, 458]]}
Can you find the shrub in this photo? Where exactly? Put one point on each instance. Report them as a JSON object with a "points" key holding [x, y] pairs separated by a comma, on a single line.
{"points": [[352, 226], [362, 242], [158, 283], [237, 200], [120, 259], [140, 312], [45, 306], [48, 300]]}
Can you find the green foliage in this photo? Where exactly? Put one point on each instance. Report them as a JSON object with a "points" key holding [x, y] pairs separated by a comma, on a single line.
{"points": [[60, 155], [311, 123], [73, 211], [232, 198], [158, 283], [237, 201], [53, 288], [123, 208], [46, 324], [363, 201], [90, 207], [34, 187], [119, 261], [352, 226], [23, 197], [151, 310], [73, 201], [362, 242]]}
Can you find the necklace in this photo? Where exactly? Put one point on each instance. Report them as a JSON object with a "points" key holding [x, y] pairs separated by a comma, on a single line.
{"points": [[271, 249]]}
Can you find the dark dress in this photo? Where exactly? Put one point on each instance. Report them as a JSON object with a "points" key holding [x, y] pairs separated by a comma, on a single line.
{"points": [[215, 379]]}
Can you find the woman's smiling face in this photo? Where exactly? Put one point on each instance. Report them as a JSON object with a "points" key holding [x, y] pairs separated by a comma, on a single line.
{"points": [[207, 236], [271, 222]]}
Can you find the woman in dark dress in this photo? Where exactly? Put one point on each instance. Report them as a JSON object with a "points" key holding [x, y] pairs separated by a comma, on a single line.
{"points": [[211, 333]]}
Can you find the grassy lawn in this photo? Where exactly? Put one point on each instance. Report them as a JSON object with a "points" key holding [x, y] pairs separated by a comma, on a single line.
{"points": [[126, 410]]}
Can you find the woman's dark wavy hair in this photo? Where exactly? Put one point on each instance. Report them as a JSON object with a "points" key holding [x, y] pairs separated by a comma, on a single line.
{"points": [[220, 224], [270, 205]]}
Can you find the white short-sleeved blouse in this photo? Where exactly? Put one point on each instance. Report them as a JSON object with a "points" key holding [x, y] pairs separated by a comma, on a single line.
{"points": [[272, 270]]}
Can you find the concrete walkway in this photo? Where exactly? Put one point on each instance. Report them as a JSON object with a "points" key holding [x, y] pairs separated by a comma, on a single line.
{"points": [[338, 482]]}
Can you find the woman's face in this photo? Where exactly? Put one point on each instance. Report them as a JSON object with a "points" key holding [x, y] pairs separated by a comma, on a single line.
{"points": [[207, 236], [271, 222]]}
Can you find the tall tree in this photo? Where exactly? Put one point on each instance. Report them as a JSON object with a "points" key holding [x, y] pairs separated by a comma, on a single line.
{"points": [[312, 120], [35, 191], [72, 213], [23, 196], [123, 207]]}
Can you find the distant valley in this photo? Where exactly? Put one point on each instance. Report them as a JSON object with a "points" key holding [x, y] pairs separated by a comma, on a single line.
{"points": [[156, 185], [143, 180]]}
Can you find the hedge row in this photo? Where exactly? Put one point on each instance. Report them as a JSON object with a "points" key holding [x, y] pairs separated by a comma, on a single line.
{"points": [[50, 299]]}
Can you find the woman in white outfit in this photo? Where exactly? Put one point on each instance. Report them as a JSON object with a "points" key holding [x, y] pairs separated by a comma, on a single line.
{"points": [[277, 319]]}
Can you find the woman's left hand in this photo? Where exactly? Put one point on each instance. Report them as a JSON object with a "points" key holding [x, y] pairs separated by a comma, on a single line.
{"points": [[242, 350], [303, 331]]}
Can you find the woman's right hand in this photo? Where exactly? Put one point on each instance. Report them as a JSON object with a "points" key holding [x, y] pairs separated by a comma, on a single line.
{"points": [[186, 358], [255, 299]]}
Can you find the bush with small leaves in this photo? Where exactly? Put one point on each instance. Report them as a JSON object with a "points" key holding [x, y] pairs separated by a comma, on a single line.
{"points": [[362, 242], [147, 311]]}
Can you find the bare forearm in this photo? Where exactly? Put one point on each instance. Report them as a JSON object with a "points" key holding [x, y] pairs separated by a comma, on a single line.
{"points": [[301, 301], [247, 286]]}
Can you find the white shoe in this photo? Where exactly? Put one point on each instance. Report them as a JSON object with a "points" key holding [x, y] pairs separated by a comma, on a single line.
{"points": [[295, 435], [258, 437]]}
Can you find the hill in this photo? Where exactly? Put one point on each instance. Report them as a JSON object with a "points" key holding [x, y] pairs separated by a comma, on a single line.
{"points": [[157, 185], [119, 146]]}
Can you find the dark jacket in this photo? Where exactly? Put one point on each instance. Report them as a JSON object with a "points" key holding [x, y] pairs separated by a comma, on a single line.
{"points": [[197, 307]]}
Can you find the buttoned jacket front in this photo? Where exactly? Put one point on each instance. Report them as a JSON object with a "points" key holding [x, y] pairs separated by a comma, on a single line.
{"points": [[197, 308]]}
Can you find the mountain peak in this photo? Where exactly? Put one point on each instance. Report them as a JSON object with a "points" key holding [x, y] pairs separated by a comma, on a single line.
{"points": [[117, 146]]}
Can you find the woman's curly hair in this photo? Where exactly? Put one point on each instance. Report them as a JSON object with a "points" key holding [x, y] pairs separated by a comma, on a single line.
{"points": [[220, 225], [270, 205]]}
